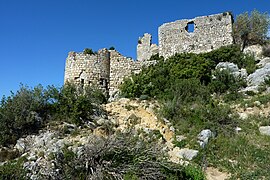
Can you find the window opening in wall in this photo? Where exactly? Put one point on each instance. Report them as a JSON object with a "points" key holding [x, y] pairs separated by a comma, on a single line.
{"points": [[190, 27], [82, 81]]}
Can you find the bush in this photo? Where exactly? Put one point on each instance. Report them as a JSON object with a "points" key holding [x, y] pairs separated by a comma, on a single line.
{"points": [[27, 110], [88, 51], [22, 113], [122, 156], [13, 170], [112, 48], [75, 105], [249, 30], [224, 81], [157, 80]]}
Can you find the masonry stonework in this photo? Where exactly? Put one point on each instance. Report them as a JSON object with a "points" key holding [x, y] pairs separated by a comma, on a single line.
{"points": [[209, 33], [145, 48], [107, 68]]}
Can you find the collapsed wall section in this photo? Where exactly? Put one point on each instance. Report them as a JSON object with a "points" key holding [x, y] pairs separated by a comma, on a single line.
{"points": [[120, 68], [145, 48], [201, 34]]}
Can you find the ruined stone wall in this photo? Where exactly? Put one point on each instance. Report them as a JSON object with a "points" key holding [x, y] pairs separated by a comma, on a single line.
{"points": [[106, 69], [210, 32], [145, 48], [85, 69]]}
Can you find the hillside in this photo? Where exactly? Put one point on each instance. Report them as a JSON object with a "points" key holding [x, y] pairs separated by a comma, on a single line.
{"points": [[192, 116]]}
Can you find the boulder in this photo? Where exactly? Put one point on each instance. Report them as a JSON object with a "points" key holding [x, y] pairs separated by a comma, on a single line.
{"points": [[255, 50], [233, 68], [263, 62], [204, 136], [188, 154], [265, 130], [257, 78]]}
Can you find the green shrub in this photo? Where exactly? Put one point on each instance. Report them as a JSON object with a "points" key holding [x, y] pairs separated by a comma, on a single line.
{"points": [[88, 51], [22, 113], [112, 48], [156, 80], [13, 170], [122, 156], [27, 110], [224, 81], [156, 57], [75, 105]]}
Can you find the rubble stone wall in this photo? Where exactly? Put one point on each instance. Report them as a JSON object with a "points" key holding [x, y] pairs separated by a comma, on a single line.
{"points": [[209, 33]]}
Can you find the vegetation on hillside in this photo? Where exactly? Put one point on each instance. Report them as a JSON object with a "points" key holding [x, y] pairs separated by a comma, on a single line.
{"points": [[196, 96], [251, 29], [28, 110]]}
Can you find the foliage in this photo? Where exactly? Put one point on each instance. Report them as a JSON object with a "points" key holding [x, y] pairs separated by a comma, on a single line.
{"points": [[22, 113], [155, 57], [234, 55], [248, 30], [224, 81], [112, 48], [246, 155], [159, 80], [29, 109], [122, 156], [13, 170], [88, 51]]}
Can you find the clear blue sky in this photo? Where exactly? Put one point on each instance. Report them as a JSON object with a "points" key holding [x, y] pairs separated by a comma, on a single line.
{"points": [[36, 35]]}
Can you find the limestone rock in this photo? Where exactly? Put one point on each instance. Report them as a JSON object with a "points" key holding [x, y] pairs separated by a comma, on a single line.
{"points": [[263, 62], [255, 50], [204, 136], [233, 68], [265, 130], [257, 78], [188, 154]]}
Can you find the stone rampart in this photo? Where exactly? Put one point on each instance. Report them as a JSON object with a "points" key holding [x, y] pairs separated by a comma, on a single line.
{"points": [[201, 34]]}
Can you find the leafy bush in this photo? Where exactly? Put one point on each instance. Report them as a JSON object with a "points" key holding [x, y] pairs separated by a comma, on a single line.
{"points": [[112, 48], [158, 79], [156, 57], [13, 170], [122, 156], [22, 113], [224, 81], [75, 104], [29, 109], [88, 51]]}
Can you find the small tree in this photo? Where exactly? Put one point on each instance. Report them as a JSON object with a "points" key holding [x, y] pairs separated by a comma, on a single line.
{"points": [[88, 51], [249, 30], [112, 48]]}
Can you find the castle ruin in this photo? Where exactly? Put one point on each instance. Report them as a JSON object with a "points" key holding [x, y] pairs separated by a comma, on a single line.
{"points": [[107, 68]]}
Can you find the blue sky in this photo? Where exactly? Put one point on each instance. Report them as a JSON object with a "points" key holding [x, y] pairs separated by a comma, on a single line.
{"points": [[36, 35]]}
